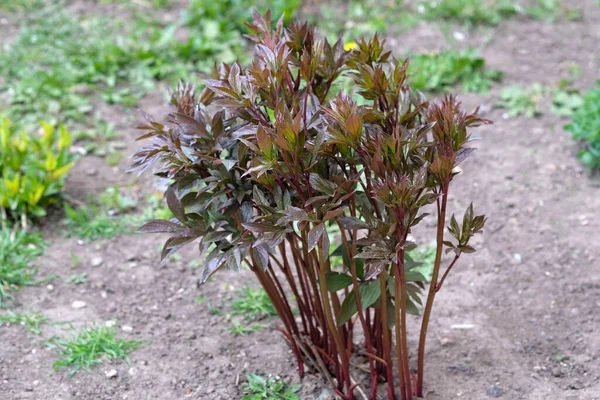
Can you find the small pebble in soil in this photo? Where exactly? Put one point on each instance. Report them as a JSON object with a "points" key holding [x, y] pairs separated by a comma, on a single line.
{"points": [[50, 288], [446, 341], [78, 304], [458, 36], [517, 257], [494, 391], [111, 374], [127, 328], [110, 323], [462, 326], [97, 261]]}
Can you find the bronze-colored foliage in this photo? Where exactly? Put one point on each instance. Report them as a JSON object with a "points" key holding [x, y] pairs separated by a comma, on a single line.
{"points": [[265, 163]]}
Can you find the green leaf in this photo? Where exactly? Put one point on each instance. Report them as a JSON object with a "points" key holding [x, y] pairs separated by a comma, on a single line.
{"points": [[369, 294], [337, 281], [322, 185], [353, 223]]}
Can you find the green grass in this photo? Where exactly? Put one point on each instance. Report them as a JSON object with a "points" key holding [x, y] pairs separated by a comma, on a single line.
{"points": [[113, 213], [91, 347], [259, 388], [519, 100], [253, 304], [18, 251], [89, 222], [585, 127], [470, 12], [19, 5], [60, 61], [32, 321], [356, 18], [440, 72], [492, 12], [77, 278], [565, 102], [238, 328]]}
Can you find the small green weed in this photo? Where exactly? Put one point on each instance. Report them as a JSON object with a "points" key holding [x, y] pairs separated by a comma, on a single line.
{"points": [[259, 388], [253, 304], [116, 202], [32, 321], [108, 217], [566, 101], [75, 260], [237, 328], [90, 223], [18, 250], [77, 278], [552, 10], [214, 310], [519, 100], [95, 345], [100, 140], [442, 71], [586, 128]]}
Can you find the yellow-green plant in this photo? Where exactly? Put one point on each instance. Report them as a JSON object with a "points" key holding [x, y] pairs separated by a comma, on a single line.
{"points": [[33, 167]]}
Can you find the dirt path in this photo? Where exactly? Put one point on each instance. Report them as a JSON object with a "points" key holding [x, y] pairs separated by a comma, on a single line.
{"points": [[517, 320]]}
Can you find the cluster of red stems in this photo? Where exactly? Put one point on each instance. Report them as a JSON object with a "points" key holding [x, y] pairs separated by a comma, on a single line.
{"points": [[269, 166]]}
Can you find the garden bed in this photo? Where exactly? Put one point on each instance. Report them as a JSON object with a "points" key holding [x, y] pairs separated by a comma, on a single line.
{"points": [[516, 320]]}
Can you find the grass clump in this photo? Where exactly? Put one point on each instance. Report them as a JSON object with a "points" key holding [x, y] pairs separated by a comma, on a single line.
{"points": [[259, 388], [519, 100], [89, 222], [93, 346], [492, 12], [32, 321], [232, 15], [253, 304], [362, 17], [440, 72], [18, 250], [585, 128], [111, 214], [471, 12], [238, 328]]}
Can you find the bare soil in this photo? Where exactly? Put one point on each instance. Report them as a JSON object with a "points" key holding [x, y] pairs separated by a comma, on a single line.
{"points": [[519, 319]]}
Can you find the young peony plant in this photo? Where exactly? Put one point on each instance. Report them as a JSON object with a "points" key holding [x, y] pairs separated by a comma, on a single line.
{"points": [[272, 170]]}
